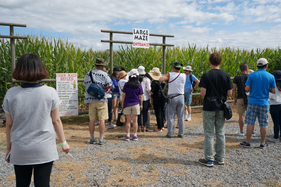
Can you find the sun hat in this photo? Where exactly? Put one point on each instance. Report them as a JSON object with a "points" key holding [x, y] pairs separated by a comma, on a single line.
{"points": [[155, 74], [177, 65], [141, 70], [133, 73], [116, 69], [262, 62], [277, 75], [122, 74], [250, 71], [155, 68], [100, 62], [187, 68]]}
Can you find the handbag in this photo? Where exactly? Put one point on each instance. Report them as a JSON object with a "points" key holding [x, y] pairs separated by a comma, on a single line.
{"points": [[226, 107], [121, 119], [94, 90]]}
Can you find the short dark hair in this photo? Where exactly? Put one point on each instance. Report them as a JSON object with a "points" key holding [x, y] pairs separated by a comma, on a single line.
{"points": [[215, 59], [177, 68], [243, 66], [262, 67], [30, 68]]}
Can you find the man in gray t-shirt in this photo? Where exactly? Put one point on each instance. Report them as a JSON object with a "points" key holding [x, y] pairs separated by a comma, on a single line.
{"points": [[98, 110]]}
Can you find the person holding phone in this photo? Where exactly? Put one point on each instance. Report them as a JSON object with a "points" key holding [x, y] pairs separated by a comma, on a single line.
{"points": [[32, 122]]}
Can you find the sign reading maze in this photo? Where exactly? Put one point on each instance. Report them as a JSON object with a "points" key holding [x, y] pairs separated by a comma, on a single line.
{"points": [[67, 88], [141, 38]]}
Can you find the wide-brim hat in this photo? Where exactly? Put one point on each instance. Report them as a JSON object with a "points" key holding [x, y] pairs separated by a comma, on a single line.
{"points": [[262, 62], [177, 65], [187, 68], [122, 74], [100, 62], [155, 74], [141, 70], [277, 75]]}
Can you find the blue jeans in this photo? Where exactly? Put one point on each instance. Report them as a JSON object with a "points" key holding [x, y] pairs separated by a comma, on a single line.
{"points": [[275, 111], [214, 120], [144, 112], [109, 105]]}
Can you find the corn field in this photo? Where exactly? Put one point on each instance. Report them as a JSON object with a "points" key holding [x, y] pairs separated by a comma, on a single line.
{"points": [[59, 56]]}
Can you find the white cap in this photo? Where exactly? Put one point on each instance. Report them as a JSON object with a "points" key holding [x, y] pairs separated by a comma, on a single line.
{"points": [[262, 62]]}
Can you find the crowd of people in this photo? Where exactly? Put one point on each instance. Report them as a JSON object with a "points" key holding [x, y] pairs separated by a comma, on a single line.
{"points": [[32, 109]]}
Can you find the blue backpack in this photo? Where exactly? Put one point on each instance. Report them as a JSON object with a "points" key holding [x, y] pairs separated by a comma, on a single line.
{"points": [[94, 90]]}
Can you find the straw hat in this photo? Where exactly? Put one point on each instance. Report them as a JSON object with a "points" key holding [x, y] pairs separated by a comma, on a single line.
{"points": [[122, 74], [155, 74]]}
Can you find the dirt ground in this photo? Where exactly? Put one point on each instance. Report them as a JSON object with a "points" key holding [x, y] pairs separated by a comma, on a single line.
{"points": [[77, 135]]}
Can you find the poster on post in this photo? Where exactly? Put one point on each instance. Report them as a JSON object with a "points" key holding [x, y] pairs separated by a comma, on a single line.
{"points": [[141, 38], [67, 88]]}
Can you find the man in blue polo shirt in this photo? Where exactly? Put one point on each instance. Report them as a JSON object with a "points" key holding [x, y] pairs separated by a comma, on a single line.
{"points": [[259, 83]]}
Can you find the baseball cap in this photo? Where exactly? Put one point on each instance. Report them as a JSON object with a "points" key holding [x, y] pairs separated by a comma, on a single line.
{"points": [[262, 62]]}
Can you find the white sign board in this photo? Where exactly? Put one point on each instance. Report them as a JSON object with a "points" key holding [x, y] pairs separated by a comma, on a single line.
{"points": [[67, 88], [141, 38]]}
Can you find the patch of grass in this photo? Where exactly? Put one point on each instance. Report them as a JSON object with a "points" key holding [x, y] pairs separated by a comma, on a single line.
{"points": [[275, 183], [80, 119], [151, 168]]}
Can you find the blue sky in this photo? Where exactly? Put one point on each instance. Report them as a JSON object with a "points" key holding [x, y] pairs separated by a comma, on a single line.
{"points": [[217, 23]]}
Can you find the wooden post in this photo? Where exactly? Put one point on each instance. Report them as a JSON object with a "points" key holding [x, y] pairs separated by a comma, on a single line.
{"points": [[164, 56], [111, 53], [13, 55]]}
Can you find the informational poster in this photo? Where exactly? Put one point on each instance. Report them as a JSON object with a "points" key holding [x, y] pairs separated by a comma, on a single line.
{"points": [[67, 88], [141, 38]]}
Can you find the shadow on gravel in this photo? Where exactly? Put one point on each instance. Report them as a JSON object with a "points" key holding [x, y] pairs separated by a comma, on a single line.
{"points": [[154, 159]]}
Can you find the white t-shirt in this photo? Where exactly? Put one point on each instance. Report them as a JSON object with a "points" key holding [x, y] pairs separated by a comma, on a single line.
{"points": [[275, 99], [121, 84]]}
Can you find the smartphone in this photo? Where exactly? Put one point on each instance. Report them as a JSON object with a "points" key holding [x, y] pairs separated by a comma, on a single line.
{"points": [[8, 156]]}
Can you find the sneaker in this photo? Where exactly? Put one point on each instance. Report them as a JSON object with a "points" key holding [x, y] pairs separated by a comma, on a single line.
{"points": [[163, 128], [95, 140], [273, 140], [189, 118], [206, 163], [97, 123], [245, 144], [219, 162], [106, 128], [240, 133], [180, 136], [128, 138], [112, 126], [135, 138], [263, 146], [157, 130], [168, 136], [101, 142]]}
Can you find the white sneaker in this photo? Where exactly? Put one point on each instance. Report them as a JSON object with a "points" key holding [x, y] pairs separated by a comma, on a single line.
{"points": [[106, 128], [273, 140], [189, 118], [112, 126], [240, 133]]}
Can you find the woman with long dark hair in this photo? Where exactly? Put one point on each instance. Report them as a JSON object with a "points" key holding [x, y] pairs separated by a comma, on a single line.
{"points": [[275, 107], [132, 98], [32, 122]]}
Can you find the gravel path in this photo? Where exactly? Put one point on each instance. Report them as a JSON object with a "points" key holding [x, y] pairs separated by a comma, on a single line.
{"points": [[155, 160]]}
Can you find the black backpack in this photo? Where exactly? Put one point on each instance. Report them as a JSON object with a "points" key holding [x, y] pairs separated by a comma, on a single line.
{"points": [[192, 83], [161, 95]]}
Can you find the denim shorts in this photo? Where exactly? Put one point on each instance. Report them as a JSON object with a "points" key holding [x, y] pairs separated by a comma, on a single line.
{"points": [[254, 111], [115, 95], [187, 98]]}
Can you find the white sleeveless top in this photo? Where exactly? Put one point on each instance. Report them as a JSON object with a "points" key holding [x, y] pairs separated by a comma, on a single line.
{"points": [[177, 86]]}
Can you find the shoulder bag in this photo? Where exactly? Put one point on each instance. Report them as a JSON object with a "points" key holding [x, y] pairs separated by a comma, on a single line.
{"points": [[226, 107]]}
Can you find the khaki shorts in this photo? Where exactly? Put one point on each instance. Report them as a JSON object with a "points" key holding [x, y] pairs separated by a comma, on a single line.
{"points": [[135, 110], [241, 107], [98, 111]]}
